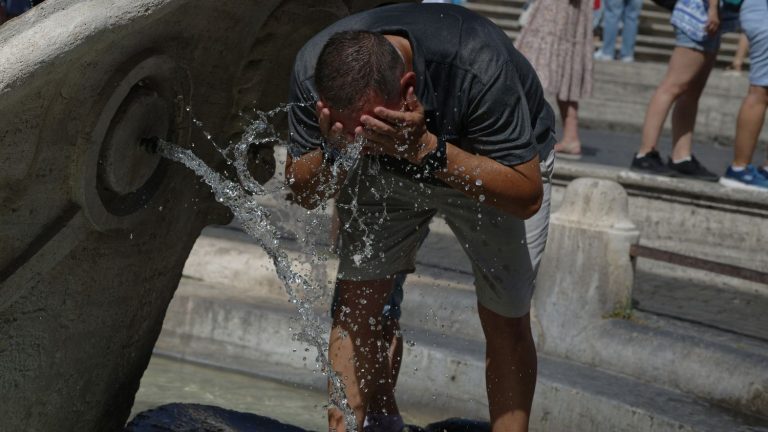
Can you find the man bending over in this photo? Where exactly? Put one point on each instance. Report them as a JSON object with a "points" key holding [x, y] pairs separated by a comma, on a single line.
{"points": [[447, 118]]}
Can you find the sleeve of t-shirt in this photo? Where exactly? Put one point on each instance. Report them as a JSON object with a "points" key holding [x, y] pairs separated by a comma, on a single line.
{"points": [[302, 120], [498, 124]]}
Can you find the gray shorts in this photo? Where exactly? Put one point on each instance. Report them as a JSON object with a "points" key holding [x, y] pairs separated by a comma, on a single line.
{"points": [[754, 14], [385, 216]]}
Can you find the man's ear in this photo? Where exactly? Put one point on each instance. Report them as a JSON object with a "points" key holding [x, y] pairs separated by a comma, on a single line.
{"points": [[407, 81]]}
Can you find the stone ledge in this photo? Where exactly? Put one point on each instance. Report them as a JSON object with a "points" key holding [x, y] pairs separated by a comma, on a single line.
{"points": [[705, 194]]}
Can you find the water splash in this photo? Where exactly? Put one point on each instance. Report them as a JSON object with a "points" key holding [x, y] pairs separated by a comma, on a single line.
{"points": [[242, 196]]}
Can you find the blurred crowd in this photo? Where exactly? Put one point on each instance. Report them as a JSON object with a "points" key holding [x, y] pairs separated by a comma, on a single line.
{"points": [[558, 38]]}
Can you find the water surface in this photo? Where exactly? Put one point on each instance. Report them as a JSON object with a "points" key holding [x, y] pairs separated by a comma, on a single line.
{"points": [[168, 380]]}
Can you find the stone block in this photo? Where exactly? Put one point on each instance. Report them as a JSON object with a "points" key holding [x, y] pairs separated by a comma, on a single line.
{"points": [[586, 273]]}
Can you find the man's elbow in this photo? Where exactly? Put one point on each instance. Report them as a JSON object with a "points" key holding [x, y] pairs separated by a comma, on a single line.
{"points": [[531, 203], [533, 207]]}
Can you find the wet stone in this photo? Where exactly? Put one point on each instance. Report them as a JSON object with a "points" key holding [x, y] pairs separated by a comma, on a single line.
{"points": [[178, 417], [181, 417]]}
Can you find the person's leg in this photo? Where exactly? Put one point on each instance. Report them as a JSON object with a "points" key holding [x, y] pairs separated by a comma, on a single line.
{"points": [[741, 174], [749, 124], [505, 253], [382, 401], [741, 53], [612, 13], [629, 30], [382, 224], [382, 406], [511, 367], [356, 351], [382, 398], [570, 144], [684, 65], [753, 17], [687, 107]]}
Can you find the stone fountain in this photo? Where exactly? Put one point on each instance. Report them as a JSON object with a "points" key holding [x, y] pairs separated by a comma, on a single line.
{"points": [[94, 232]]}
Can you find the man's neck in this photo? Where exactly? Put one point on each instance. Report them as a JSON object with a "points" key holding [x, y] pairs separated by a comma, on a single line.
{"points": [[404, 47]]}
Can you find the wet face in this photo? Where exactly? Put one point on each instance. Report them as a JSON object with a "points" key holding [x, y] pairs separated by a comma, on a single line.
{"points": [[350, 119]]}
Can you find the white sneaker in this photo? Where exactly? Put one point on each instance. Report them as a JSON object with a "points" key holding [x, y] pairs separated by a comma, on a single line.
{"points": [[601, 56], [628, 59]]}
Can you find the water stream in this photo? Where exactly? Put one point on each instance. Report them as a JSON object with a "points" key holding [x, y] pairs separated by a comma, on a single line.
{"points": [[243, 196]]}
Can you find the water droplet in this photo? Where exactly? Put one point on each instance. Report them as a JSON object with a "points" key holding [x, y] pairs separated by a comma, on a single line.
{"points": [[481, 198], [478, 182]]}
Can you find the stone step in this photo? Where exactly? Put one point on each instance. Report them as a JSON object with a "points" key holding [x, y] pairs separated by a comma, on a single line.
{"points": [[211, 325], [701, 303], [511, 10], [655, 38], [621, 94], [440, 299]]}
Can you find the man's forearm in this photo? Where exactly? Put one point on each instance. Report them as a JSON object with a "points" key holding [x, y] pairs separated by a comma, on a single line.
{"points": [[516, 190], [311, 179]]}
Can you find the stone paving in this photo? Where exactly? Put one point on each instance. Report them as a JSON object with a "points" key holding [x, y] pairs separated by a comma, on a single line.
{"points": [[702, 303]]}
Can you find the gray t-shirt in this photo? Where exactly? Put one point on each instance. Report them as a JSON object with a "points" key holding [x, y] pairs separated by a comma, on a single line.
{"points": [[478, 91]]}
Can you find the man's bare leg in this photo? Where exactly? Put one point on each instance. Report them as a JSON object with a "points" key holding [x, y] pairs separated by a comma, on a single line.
{"points": [[383, 399], [511, 368], [356, 349]]}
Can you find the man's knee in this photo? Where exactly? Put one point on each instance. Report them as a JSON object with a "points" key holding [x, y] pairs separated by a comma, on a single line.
{"points": [[503, 329], [361, 298]]}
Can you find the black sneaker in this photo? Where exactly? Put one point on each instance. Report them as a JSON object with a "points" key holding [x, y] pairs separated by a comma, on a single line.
{"points": [[692, 169], [651, 163]]}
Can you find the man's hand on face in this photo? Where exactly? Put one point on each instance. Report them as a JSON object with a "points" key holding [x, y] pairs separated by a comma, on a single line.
{"points": [[402, 134], [333, 133]]}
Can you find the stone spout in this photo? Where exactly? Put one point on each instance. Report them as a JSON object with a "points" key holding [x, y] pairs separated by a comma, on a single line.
{"points": [[94, 232]]}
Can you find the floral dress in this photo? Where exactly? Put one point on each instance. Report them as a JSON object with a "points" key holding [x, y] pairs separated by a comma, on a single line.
{"points": [[557, 40]]}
